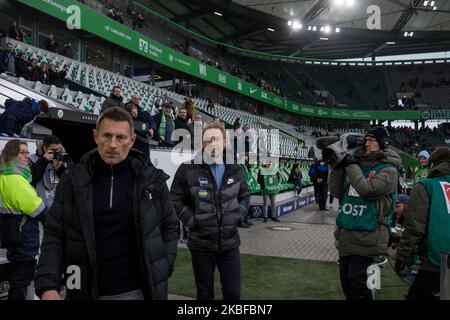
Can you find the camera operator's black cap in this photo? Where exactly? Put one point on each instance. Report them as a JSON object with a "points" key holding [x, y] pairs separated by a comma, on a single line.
{"points": [[380, 134]]}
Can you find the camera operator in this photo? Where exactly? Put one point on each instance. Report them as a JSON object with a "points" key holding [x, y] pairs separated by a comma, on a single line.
{"points": [[365, 184], [47, 166]]}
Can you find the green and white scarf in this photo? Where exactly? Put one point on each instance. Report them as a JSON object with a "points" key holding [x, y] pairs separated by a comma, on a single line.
{"points": [[15, 168]]}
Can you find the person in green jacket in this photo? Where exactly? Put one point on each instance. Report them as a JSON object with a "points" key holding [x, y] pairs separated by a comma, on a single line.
{"points": [[427, 221], [366, 186], [268, 180], [20, 209], [421, 171]]}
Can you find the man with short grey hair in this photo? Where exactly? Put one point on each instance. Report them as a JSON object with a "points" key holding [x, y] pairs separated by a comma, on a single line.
{"points": [[112, 218]]}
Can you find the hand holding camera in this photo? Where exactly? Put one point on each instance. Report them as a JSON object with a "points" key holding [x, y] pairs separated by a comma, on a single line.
{"points": [[339, 152]]}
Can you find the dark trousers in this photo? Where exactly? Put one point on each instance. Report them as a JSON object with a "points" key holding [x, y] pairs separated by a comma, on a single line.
{"points": [[229, 265], [22, 273], [322, 190], [353, 272], [316, 192], [425, 285]]}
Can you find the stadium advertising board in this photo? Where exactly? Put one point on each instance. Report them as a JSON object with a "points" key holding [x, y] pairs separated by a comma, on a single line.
{"points": [[435, 114], [78, 15]]}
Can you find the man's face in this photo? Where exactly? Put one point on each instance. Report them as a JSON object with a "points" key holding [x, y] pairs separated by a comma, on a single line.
{"points": [[372, 145], [167, 110], [136, 100], [399, 209], [183, 114], [213, 143], [117, 92], [134, 112], [423, 161], [198, 117], [33, 63], [114, 141], [9, 48], [22, 157], [246, 127]]}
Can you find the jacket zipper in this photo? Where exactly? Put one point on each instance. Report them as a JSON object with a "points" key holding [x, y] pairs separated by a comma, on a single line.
{"points": [[112, 188]]}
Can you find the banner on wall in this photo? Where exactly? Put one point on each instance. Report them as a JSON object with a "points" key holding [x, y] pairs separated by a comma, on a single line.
{"points": [[121, 35]]}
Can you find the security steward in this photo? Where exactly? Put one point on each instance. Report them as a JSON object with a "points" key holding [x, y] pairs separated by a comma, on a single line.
{"points": [[427, 224]]}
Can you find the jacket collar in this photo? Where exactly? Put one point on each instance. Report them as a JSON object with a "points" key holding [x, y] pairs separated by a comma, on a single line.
{"points": [[142, 167]]}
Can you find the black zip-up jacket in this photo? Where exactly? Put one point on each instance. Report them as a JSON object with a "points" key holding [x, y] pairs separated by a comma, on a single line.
{"points": [[212, 216], [69, 235]]}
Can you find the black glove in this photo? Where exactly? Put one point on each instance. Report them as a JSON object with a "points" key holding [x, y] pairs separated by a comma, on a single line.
{"points": [[348, 160], [399, 266]]}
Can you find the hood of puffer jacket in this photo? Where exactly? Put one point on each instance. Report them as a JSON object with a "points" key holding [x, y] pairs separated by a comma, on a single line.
{"points": [[442, 169], [372, 159]]}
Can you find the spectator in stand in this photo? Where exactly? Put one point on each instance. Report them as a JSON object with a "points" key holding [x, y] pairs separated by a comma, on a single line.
{"points": [[14, 32], [43, 74], [140, 22], [19, 113], [8, 60], [25, 37], [22, 66], [134, 20], [190, 108], [56, 78], [67, 50], [51, 44], [164, 126], [143, 116], [210, 103], [33, 70], [181, 122], [114, 100]]}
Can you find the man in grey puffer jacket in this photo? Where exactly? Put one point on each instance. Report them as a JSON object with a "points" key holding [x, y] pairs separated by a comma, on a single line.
{"points": [[365, 186]]}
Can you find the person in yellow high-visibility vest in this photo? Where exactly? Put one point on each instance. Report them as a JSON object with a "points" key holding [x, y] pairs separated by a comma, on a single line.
{"points": [[20, 210]]}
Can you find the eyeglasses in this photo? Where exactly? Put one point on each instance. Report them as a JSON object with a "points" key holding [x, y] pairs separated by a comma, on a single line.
{"points": [[24, 152]]}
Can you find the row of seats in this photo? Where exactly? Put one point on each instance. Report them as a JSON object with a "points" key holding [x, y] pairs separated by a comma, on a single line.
{"points": [[102, 81], [96, 79]]}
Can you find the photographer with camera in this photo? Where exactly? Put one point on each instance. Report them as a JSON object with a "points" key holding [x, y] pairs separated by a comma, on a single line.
{"points": [[365, 182], [47, 166]]}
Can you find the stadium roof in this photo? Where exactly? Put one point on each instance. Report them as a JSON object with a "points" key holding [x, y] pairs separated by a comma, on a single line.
{"points": [[245, 23]]}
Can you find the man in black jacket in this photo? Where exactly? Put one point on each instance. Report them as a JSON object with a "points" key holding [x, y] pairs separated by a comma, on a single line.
{"points": [[113, 220], [22, 64], [114, 100], [8, 60], [210, 196]]}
